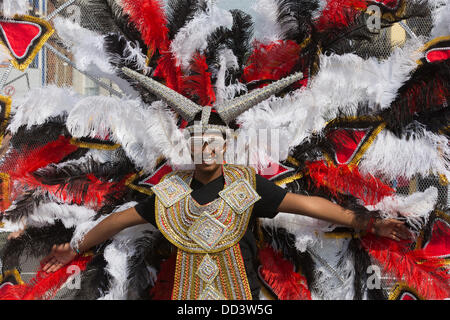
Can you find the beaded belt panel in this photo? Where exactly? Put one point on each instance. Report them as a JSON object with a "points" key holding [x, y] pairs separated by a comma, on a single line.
{"points": [[217, 276], [209, 261]]}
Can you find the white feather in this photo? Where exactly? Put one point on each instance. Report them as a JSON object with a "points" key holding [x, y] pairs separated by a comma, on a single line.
{"points": [[342, 84], [305, 229], [87, 46], [133, 55], [47, 213], [145, 135], [89, 54], [193, 36], [39, 104], [265, 16], [424, 153], [117, 255], [227, 60], [416, 207], [441, 19], [334, 270]]}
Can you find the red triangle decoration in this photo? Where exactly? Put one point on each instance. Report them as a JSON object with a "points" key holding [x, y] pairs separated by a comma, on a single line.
{"points": [[143, 183], [351, 137], [276, 170], [346, 143], [19, 36], [438, 246], [23, 37], [401, 291], [156, 176], [436, 50]]}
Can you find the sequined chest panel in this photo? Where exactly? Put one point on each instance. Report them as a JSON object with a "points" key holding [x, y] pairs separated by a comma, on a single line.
{"points": [[209, 261]]}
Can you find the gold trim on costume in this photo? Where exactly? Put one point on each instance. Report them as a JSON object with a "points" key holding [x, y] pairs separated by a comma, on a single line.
{"points": [[5, 190], [354, 161], [341, 235], [433, 42], [402, 286], [290, 179], [175, 221], [3, 125], [230, 282], [129, 183], [14, 273], [93, 145], [45, 36]]}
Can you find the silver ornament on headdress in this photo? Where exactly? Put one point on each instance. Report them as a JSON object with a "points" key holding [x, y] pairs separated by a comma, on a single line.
{"points": [[228, 111], [186, 108]]}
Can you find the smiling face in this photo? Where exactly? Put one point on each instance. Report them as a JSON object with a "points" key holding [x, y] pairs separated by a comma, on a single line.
{"points": [[208, 151]]}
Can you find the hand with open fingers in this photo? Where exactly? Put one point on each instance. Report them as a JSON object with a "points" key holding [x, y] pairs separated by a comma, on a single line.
{"points": [[392, 229], [59, 256]]}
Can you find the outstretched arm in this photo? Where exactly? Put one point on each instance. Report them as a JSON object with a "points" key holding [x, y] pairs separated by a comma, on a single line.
{"points": [[113, 224], [320, 208]]}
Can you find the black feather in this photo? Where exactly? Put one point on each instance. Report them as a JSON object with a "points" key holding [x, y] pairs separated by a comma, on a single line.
{"points": [[139, 277], [115, 45], [179, 13], [63, 173], [295, 18], [34, 242], [95, 279], [241, 36], [106, 16], [362, 262], [424, 95], [39, 135], [25, 204]]}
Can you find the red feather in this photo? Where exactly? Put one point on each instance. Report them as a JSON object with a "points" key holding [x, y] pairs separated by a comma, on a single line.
{"points": [[13, 292], [272, 61], [21, 163], [340, 14], [170, 72], [279, 274], [43, 285], [163, 287], [415, 267], [18, 166], [93, 194], [199, 83], [346, 179], [149, 18]]}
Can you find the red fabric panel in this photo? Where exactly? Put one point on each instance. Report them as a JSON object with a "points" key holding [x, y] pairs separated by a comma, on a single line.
{"points": [[20, 36], [156, 177], [438, 55], [346, 143], [439, 245]]}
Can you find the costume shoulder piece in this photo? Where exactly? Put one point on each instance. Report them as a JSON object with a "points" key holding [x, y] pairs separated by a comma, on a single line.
{"points": [[172, 188]]}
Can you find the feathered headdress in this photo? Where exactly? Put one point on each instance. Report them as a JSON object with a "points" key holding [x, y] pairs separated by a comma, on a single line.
{"points": [[227, 111]]}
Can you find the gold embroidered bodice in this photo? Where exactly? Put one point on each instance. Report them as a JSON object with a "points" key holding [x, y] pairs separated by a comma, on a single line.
{"points": [[209, 261]]}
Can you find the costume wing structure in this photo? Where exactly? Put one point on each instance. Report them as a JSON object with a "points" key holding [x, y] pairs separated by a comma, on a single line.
{"points": [[363, 126]]}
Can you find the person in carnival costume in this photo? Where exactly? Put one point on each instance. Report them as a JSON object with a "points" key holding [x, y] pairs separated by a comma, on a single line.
{"points": [[160, 191], [205, 213]]}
